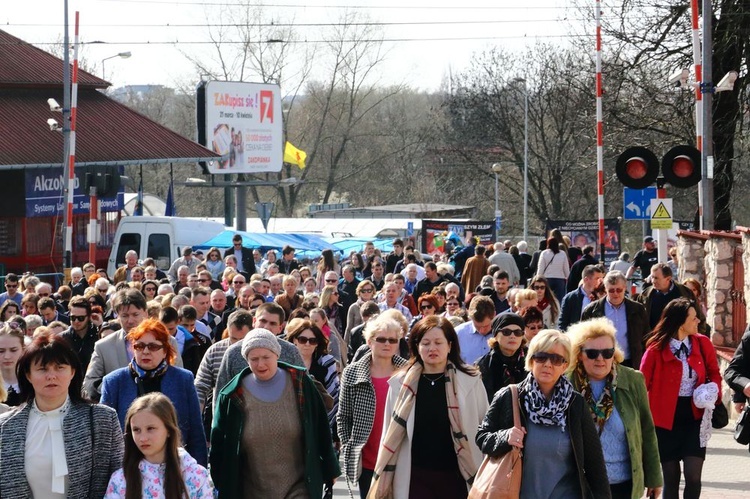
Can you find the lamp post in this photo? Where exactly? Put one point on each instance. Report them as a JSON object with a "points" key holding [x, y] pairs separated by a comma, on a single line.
{"points": [[121, 55], [525, 157], [497, 168]]}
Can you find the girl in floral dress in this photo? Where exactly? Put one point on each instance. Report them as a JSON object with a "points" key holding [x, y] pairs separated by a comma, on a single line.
{"points": [[155, 466]]}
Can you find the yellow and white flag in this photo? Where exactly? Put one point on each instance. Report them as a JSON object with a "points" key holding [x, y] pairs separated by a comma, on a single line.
{"points": [[294, 156]]}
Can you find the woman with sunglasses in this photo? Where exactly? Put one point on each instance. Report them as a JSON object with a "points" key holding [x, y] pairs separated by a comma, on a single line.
{"points": [[617, 400], [427, 304], [365, 292], [678, 360], [453, 308], [547, 303], [215, 264], [532, 318], [313, 347], [432, 411], [329, 302], [152, 370], [364, 387], [562, 455], [149, 289], [505, 362]]}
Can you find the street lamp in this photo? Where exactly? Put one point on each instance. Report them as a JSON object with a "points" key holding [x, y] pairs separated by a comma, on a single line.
{"points": [[525, 158], [121, 55], [497, 168]]}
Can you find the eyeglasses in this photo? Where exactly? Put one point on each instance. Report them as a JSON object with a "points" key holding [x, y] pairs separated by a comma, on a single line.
{"points": [[383, 340], [426, 307], [615, 291], [237, 283], [11, 286], [332, 280], [452, 304], [593, 353], [78, 318], [539, 288], [12, 325], [151, 347], [534, 327], [204, 280], [368, 290], [43, 295], [516, 332], [304, 340], [553, 358], [102, 290], [149, 288]]}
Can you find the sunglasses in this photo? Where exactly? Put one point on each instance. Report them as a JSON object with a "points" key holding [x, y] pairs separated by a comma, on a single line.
{"points": [[615, 291], [367, 290], [78, 318], [534, 327], [43, 295], [383, 340], [331, 280], [593, 353], [102, 290], [539, 288], [204, 280], [553, 358], [149, 288], [11, 286], [426, 307], [238, 283], [151, 347], [516, 332], [304, 340]]}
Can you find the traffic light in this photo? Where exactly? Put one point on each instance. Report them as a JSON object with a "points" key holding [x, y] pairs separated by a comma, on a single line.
{"points": [[637, 168], [681, 166], [106, 179]]}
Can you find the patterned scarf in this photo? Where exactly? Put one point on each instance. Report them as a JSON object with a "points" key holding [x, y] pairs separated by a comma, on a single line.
{"points": [[541, 411], [158, 371], [395, 435], [600, 409]]}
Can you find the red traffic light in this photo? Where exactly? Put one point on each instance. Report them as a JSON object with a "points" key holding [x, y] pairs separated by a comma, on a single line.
{"points": [[637, 167], [681, 166]]}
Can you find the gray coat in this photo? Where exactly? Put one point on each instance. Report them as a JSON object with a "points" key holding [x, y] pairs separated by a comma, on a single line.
{"points": [[233, 362], [357, 411], [93, 450]]}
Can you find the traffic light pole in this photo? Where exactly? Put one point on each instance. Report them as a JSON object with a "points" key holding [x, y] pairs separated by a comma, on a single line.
{"points": [[661, 234], [706, 185]]}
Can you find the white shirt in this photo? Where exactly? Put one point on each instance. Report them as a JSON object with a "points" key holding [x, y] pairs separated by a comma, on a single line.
{"points": [[45, 463]]}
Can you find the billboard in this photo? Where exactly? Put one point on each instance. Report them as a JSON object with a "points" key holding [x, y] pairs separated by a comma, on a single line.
{"points": [[242, 122], [586, 232], [442, 236], [44, 195]]}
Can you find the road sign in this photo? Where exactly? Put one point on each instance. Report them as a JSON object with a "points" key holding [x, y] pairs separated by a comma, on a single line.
{"points": [[498, 221], [409, 228], [264, 213], [661, 213], [636, 203]]}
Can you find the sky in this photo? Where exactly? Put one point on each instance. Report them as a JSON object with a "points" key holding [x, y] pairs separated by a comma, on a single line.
{"points": [[424, 39]]}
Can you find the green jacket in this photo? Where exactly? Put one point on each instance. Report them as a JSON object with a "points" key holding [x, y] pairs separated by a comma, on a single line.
{"points": [[321, 464], [631, 402]]}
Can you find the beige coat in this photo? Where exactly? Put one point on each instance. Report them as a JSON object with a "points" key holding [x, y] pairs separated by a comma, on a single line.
{"points": [[472, 403]]}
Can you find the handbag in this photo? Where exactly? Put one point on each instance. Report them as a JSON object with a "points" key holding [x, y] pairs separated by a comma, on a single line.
{"points": [[500, 477], [720, 416], [742, 430]]}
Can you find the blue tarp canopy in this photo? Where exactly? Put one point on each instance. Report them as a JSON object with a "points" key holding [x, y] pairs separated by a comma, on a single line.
{"points": [[264, 242], [348, 244]]}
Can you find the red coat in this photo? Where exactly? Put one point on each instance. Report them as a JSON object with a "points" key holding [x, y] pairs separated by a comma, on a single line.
{"points": [[663, 372]]}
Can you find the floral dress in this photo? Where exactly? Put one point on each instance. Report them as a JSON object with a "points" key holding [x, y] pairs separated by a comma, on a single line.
{"points": [[197, 480]]}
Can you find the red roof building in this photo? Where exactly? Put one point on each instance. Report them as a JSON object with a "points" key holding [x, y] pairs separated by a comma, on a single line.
{"points": [[107, 134]]}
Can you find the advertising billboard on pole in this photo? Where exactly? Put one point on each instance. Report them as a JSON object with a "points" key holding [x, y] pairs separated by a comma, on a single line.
{"points": [[243, 123]]}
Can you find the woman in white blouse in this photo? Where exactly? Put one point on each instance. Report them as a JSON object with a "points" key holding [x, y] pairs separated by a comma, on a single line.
{"points": [[56, 444], [554, 265]]}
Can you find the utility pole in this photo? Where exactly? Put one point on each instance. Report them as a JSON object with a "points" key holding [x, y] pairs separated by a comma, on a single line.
{"points": [[707, 152], [67, 250]]}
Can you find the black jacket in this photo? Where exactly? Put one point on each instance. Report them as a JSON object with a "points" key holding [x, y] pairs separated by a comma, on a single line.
{"points": [[492, 439], [570, 309], [737, 374], [576, 271], [248, 262], [638, 328], [497, 372], [683, 292]]}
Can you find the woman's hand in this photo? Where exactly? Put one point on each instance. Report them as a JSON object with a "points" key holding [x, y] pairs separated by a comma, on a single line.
{"points": [[96, 319], [515, 437], [653, 492], [738, 406]]}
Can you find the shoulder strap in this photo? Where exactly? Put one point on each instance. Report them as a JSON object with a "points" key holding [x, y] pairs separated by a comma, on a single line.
{"points": [[516, 409], [548, 263]]}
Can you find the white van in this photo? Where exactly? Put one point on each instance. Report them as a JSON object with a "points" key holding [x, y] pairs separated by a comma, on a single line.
{"points": [[161, 238]]}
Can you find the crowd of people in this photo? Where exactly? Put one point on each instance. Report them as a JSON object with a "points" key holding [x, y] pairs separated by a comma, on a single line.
{"points": [[250, 374]]}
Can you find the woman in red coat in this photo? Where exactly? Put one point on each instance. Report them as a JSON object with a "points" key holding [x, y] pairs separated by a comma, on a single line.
{"points": [[678, 360]]}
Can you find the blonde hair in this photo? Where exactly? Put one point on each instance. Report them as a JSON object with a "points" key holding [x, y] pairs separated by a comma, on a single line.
{"points": [[397, 316], [544, 341], [381, 324], [592, 329], [524, 295], [325, 296]]}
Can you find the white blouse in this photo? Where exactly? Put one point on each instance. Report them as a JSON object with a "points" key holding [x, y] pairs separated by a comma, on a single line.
{"points": [[687, 383], [45, 462]]}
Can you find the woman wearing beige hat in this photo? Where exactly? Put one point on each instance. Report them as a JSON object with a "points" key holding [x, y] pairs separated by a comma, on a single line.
{"points": [[270, 437]]}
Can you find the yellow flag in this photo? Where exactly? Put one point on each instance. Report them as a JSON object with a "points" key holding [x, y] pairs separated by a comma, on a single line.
{"points": [[294, 156]]}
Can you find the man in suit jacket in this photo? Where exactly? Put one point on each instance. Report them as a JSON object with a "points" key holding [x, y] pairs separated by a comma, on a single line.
{"points": [[628, 316], [574, 302], [113, 352], [663, 289], [244, 256]]}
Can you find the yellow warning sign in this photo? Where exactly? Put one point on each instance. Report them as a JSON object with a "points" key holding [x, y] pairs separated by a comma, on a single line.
{"points": [[661, 213]]}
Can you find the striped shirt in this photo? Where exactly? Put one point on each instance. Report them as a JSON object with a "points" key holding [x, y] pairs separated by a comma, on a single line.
{"points": [[208, 371]]}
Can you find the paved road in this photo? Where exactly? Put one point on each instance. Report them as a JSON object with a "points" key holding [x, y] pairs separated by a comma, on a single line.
{"points": [[726, 472]]}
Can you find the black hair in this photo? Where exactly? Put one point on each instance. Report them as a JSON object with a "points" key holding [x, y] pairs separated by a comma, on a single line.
{"points": [[48, 349]]}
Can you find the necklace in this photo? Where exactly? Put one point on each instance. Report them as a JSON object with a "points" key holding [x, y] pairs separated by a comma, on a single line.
{"points": [[432, 380]]}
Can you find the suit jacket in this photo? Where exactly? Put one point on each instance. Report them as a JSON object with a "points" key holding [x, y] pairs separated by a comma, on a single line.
{"points": [[638, 327], [248, 262], [570, 309], [110, 354], [685, 292], [93, 450], [576, 271], [119, 391]]}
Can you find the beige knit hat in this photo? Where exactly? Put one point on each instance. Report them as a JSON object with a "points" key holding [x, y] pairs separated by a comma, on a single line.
{"points": [[260, 338]]}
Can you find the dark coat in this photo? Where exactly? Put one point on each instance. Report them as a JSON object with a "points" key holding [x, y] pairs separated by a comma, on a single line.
{"points": [[638, 328], [248, 262], [570, 309], [737, 374], [576, 271], [492, 439], [497, 374], [684, 292]]}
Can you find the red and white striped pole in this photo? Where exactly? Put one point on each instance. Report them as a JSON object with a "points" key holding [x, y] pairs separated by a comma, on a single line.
{"points": [[72, 146], [599, 129], [697, 61]]}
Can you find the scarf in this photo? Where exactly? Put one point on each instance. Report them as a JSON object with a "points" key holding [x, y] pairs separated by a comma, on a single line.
{"points": [[512, 366], [541, 411], [395, 435], [142, 377], [600, 409]]}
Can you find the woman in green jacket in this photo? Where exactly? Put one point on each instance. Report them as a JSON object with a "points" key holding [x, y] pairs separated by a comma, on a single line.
{"points": [[270, 436], [616, 397]]}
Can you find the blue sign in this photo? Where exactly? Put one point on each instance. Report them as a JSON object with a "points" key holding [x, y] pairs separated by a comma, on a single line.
{"points": [[44, 195], [409, 228], [498, 224], [635, 203]]}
